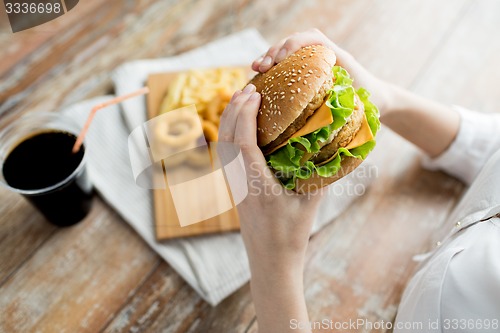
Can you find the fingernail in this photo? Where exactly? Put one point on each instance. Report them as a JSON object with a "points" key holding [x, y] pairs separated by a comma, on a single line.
{"points": [[281, 55], [254, 96], [259, 60], [267, 61], [236, 94], [249, 88]]}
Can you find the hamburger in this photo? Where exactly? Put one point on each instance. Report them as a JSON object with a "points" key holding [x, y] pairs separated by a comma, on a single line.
{"points": [[313, 127]]}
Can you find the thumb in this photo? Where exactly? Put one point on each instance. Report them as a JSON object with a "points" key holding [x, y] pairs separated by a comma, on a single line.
{"points": [[246, 138]]}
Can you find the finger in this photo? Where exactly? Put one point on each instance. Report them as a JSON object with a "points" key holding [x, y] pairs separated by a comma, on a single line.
{"points": [[230, 114], [246, 124], [228, 120], [299, 40], [268, 60], [256, 63], [236, 94], [246, 139]]}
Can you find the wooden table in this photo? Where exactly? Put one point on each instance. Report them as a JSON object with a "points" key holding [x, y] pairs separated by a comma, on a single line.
{"points": [[99, 276]]}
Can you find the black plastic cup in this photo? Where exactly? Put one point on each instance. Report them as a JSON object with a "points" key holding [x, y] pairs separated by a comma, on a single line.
{"points": [[36, 161]]}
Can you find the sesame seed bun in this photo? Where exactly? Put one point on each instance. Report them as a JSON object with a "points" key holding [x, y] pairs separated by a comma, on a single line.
{"points": [[291, 91]]}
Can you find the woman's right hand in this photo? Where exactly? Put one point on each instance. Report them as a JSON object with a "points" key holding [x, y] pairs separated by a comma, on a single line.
{"points": [[380, 90]]}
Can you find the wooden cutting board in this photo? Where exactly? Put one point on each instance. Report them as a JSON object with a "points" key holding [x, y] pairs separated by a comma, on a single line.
{"points": [[166, 221]]}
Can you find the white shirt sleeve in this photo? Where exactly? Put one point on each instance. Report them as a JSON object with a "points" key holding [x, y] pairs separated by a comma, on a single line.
{"points": [[470, 290], [477, 140]]}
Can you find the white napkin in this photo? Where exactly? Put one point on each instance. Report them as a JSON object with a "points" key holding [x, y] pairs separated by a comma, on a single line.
{"points": [[216, 265]]}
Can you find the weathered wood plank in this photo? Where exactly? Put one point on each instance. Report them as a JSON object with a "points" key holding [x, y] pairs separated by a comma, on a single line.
{"points": [[77, 279], [393, 39], [22, 231], [105, 41], [396, 40], [465, 71], [165, 302], [24, 46]]}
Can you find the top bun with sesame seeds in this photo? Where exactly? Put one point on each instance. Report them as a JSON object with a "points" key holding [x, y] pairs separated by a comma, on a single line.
{"points": [[291, 91], [308, 152]]}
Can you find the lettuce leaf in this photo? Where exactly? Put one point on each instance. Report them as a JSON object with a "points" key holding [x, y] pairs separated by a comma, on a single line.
{"points": [[341, 101], [341, 97], [372, 116], [371, 111]]}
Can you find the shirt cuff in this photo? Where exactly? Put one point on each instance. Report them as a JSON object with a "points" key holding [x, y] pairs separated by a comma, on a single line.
{"points": [[477, 139]]}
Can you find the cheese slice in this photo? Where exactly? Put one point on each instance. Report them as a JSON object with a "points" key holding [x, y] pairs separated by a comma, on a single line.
{"points": [[320, 118], [363, 136]]}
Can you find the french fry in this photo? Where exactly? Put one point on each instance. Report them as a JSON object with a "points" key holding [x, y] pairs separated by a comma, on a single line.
{"points": [[174, 94], [209, 89]]}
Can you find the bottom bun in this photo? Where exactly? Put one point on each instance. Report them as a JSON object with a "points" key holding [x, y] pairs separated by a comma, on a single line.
{"points": [[316, 182]]}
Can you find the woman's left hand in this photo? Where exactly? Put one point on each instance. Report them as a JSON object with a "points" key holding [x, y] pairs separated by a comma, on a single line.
{"points": [[275, 222]]}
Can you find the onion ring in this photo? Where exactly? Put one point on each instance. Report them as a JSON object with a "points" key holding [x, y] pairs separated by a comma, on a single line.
{"points": [[178, 129]]}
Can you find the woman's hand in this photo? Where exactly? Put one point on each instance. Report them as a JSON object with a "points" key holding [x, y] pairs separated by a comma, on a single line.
{"points": [[381, 92], [275, 222]]}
